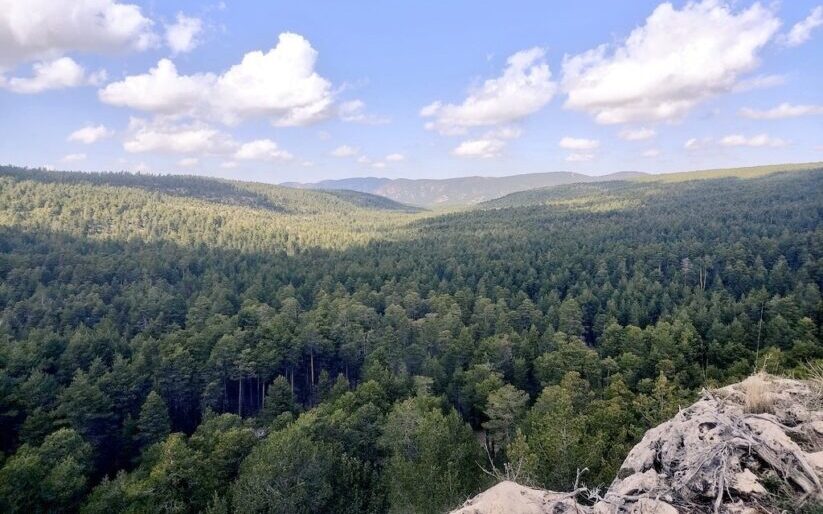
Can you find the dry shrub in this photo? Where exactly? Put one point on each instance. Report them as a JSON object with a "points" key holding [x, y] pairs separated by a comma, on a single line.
{"points": [[758, 398]]}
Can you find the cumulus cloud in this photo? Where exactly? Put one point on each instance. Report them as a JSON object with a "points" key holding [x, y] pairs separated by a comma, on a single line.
{"points": [[490, 144], [74, 157], [664, 68], [57, 74], [639, 134], [161, 90], [164, 136], [573, 143], [262, 150], [784, 110], [579, 157], [182, 36], [353, 111], [480, 148], [280, 85], [523, 89], [345, 151], [651, 153], [759, 140], [47, 29], [90, 134], [395, 157], [802, 31], [188, 162]]}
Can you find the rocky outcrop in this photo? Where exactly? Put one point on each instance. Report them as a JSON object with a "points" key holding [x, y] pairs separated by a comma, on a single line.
{"points": [[756, 446]]}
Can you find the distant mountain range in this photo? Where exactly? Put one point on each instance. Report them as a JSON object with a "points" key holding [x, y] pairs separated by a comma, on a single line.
{"points": [[457, 191]]}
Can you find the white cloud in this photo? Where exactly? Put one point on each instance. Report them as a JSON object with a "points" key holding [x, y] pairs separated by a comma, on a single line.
{"points": [[188, 162], [47, 29], [651, 152], [695, 143], [395, 157], [523, 89], [345, 151], [507, 132], [262, 150], [161, 90], [74, 157], [353, 111], [639, 134], [759, 140], [482, 148], [181, 36], [90, 134], [667, 66], [280, 85], [579, 157], [758, 82], [163, 136], [490, 144], [784, 110], [572, 143], [57, 74], [802, 31], [363, 160], [228, 165], [379, 165]]}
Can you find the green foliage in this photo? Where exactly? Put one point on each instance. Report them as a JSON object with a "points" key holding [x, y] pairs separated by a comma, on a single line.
{"points": [[205, 340], [287, 473], [433, 457], [51, 477], [154, 424]]}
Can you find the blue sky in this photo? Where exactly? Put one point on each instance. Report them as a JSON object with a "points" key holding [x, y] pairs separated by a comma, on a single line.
{"points": [[281, 91]]}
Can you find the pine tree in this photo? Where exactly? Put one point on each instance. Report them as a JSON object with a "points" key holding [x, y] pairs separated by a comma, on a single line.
{"points": [[154, 423]]}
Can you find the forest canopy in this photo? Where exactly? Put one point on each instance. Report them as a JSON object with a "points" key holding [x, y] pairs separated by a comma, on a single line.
{"points": [[182, 344]]}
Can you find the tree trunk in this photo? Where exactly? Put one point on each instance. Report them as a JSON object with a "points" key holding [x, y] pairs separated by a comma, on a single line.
{"points": [[311, 357], [240, 397]]}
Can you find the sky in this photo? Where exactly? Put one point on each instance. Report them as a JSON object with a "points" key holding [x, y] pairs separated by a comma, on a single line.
{"points": [[279, 91]]}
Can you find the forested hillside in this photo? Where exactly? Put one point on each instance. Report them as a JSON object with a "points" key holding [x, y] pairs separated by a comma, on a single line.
{"points": [[182, 344], [458, 191]]}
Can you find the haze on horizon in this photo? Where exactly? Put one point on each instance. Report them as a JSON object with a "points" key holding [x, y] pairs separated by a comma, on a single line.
{"points": [[275, 93]]}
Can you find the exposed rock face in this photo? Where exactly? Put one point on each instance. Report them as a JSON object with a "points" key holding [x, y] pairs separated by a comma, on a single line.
{"points": [[511, 498], [718, 455]]}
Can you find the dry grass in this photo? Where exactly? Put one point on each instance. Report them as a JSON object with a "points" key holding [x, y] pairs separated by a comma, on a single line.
{"points": [[813, 372], [758, 398]]}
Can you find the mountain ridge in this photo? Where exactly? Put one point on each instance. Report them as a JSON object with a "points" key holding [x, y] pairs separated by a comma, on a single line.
{"points": [[458, 190]]}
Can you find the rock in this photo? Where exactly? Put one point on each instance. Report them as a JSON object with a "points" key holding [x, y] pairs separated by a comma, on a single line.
{"points": [[816, 460], [709, 458], [511, 498], [747, 483], [652, 506], [637, 483]]}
